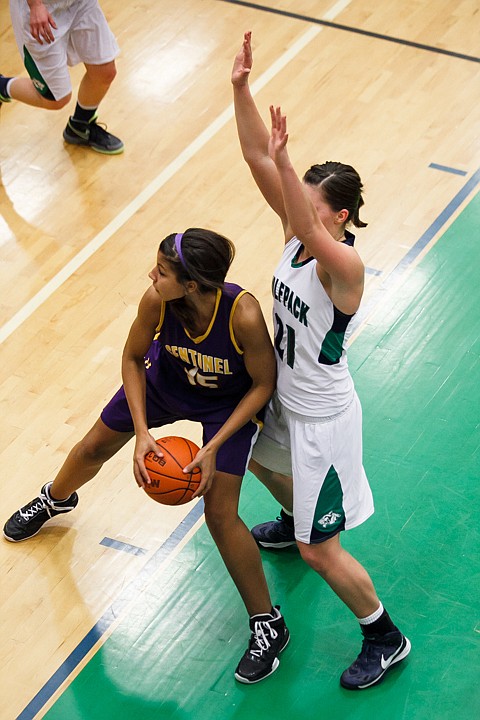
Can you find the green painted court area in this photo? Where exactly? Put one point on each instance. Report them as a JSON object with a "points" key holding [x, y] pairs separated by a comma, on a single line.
{"points": [[417, 371]]}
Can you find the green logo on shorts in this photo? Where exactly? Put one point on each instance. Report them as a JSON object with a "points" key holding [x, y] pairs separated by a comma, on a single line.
{"points": [[36, 77], [329, 513], [329, 519]]}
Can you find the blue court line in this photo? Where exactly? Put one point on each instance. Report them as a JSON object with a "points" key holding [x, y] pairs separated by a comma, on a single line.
{"points": [[448, 169], [421, 243], [358, 31], [115, 610], [111, 614], [122, 546], [434, 228], [372, 271]]}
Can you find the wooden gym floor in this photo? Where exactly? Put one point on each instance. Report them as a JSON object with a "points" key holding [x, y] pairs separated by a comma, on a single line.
{"points": [[122, 609]]}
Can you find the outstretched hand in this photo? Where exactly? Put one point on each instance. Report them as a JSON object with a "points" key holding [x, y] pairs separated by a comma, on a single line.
{"points": [[242, 64], [277, 144]]}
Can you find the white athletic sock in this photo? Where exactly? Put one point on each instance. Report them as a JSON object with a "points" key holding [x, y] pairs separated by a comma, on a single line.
{"points": [[371, 618]]}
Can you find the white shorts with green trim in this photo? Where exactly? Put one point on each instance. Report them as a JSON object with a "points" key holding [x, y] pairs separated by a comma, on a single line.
{"points": [[324, 457], [82, 36]]}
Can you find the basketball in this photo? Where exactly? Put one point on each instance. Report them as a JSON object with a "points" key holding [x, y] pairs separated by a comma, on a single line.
{"points": [[169, 484]]}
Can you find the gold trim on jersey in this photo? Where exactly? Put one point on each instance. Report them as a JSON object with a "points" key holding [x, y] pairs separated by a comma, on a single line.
{"points": [[230, 322], [160, 320], [199, 339]]}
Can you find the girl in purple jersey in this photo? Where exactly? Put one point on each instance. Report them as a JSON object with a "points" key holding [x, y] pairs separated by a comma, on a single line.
{"points": [[198, 350]]}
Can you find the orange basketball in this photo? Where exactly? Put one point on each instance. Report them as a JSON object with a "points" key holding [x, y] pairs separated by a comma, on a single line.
{"points": [[170, 485]]}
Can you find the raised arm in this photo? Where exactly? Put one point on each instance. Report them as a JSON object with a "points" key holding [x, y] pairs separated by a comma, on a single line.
{"points": [[253, 133], [341, 262]]}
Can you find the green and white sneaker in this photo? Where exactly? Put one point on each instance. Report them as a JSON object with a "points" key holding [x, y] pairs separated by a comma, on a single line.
{"points": [[91, 134]]}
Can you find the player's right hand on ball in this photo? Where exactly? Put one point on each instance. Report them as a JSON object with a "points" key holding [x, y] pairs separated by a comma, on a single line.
{"points": [[144, 444]]}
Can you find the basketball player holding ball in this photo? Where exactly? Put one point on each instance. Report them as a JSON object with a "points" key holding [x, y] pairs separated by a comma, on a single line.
{"points": [[198, 350]]}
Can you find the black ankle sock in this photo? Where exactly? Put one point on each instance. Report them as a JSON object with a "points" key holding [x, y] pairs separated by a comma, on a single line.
{"points": [[382, 626], [82, 114], [3, 86], [287, 519]]}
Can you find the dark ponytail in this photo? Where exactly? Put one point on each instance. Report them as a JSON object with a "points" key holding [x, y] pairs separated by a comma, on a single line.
{"points": [[341, 187]]}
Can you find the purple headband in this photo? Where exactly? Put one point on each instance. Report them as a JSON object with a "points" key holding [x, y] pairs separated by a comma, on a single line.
{"points": [[178, 248]]}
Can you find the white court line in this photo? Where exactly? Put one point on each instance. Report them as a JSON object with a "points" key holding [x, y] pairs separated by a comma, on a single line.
{"points": [[145, 195]]}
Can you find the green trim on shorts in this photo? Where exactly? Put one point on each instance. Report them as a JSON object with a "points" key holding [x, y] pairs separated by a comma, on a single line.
{"points": [[36, 77], [329, 512]]}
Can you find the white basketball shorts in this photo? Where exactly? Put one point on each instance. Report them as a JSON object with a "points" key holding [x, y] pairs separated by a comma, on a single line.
{"points": [[324, 456], [82, 36]]}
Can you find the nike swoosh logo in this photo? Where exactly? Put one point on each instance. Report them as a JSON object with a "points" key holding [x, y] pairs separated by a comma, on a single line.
{"points": [[384, 663]]}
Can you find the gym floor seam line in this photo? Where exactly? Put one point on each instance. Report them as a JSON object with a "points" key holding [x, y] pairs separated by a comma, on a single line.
{"points": [[351, 29], [113, 613]]}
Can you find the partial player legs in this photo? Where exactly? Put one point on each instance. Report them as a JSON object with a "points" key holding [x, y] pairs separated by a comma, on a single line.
{"points": [[235, 543], [347, 578], [280, 486], [241, 556], [82, 127], [95, 84], [279, 533], [87, 457], [23, 90], [383, 644], [58, 497]]}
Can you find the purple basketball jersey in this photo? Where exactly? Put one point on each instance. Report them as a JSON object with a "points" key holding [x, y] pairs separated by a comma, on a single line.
{"points": [[201, 372], [201, 379]]}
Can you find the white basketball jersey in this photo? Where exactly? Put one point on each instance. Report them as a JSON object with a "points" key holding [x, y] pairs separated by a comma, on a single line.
{"points": [[310, 336]]}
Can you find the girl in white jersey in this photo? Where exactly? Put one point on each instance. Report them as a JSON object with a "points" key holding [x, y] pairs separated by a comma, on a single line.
{"points": [[310, 452]]}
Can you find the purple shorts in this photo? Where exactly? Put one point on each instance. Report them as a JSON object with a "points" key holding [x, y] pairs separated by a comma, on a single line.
{"points": [[234, 454]]}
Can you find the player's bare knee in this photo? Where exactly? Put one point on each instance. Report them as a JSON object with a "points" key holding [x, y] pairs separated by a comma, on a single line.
{"points": [[63, 101], [102, 74], [218, 522], [110, 73], [212, 518], [314, 556], [57, 104], [91, 452]]}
